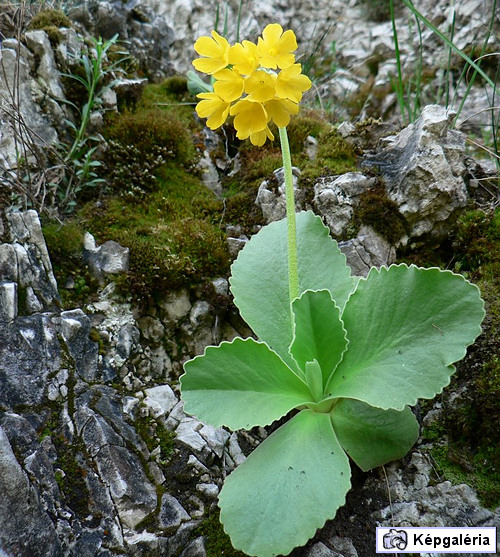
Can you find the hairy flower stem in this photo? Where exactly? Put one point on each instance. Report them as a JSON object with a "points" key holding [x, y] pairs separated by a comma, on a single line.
{"points": [[293, 271]]}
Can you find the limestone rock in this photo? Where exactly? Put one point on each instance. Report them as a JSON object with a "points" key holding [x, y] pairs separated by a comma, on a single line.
{"points": [[47, 71], [25, 524], [15, 76], [335, 198], [367, 250], [172, 513], [423, 168], [24, 260], [271, 195], [146, 31], [108, 259]]}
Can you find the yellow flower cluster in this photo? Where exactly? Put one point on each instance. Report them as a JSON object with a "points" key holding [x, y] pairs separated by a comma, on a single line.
{"points": [[246, 86]]}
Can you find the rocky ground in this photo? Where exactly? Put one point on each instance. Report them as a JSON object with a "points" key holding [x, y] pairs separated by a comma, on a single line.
{"points": [[97, 457]]}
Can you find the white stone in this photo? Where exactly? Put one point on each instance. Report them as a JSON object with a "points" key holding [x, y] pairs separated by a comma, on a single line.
{"points": [[8, 301], [161, 400], [176, 305]]}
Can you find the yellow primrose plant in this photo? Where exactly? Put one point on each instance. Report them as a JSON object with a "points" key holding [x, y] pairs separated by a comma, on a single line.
{"points": [[343, 357]]}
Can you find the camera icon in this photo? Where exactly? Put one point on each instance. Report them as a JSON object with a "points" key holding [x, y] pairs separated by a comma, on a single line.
{"points": [[395, 539]]}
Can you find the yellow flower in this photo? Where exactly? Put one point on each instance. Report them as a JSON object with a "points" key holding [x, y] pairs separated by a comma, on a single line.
{"points": [[261, 85], [259, 138], [245, 85], [229, 85], [279, 111], [290, 83], [216, 52], [250, 118], [275, 47], [244, 57], [212, 107]]}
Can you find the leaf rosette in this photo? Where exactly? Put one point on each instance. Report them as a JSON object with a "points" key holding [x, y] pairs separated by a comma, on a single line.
{"points": [[347, 359]]}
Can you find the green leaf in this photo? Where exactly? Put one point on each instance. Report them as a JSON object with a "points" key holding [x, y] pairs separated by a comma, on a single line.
{"points": [[259, 277], [314, 380], [241, 384], [319, 332], [372, 436], [405, 327], [287, 488], [197, 85]]}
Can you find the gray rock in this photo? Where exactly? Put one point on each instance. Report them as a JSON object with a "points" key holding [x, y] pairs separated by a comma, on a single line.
{"points": [[367, 250], [201, 314], [15, 76], [8, 301], [209, 490], [38, 42], [175, 306], [343, 546], [160, 400], [161, 364], [271, 195], [29, 353], [195, 548], [151, 328], [221, 286], [172, 513], [142, 544], [127, 338], [148, 36], [75, 330], [26, 529], [108, 259], [320, 550], [416, 501], [25, 261], [423, 168], [187, 433], [335, 198]]}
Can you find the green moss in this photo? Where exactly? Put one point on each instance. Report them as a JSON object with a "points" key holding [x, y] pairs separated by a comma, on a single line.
{"points": [[173, 234], [49, 18], [303, 125], [176, 86], [167, 95], [477, 240], [459, 466], [147, 129], [65, 245], [139, 146], [375, 209], [336, 154], [54, 34], [217, 542]]}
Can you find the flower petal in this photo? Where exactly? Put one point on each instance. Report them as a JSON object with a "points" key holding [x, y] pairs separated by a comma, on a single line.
{"points": [[291, 83], [279, 110], [215, 49], [261, 85], [244, 57], [249, 117], [229, 85], [259, 138], [214, 108]]}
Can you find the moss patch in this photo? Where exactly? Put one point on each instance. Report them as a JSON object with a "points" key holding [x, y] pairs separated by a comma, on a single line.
{"points": [[49, 18], [375, 209], [217, 542], [65, 243], [460, 466], [471, 450], [173, 234], [139, 145]]}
